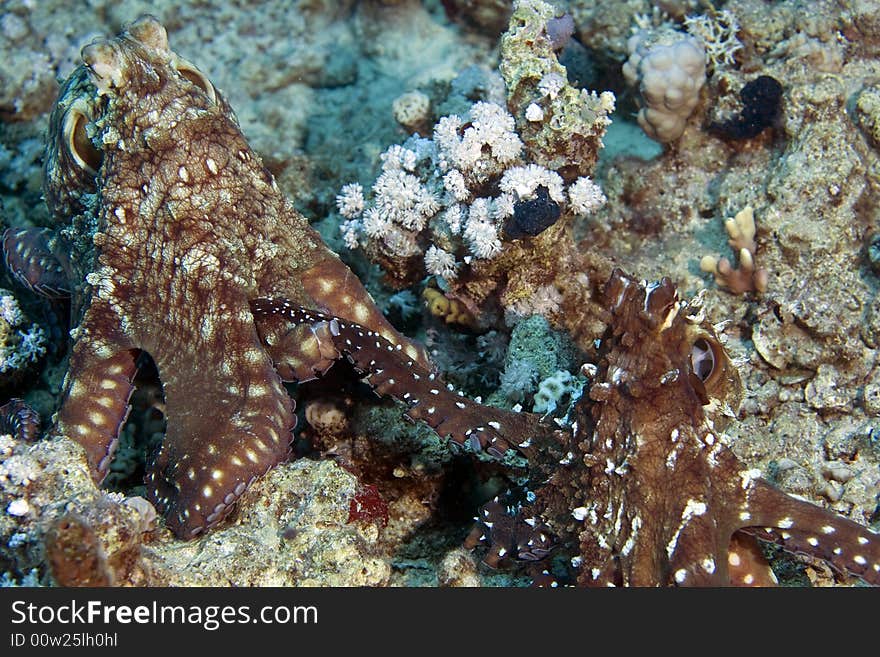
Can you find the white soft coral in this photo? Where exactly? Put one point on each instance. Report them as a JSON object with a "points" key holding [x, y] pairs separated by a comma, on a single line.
{"points": [[464, 146]]}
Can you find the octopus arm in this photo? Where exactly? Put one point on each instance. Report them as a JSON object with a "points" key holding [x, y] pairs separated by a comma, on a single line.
{"points": [[94, 403], [30, 259], [229, 418], [804, 528], [302, 350], [338, 292], [746, 564], [390, 371], [699, 553]]}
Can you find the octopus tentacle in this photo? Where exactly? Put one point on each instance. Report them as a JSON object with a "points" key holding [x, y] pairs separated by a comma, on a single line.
{"points": [[699, 560], [800, 527], [341, 294], [746, 564], [390, 371], [213, 450], [28, 256], [95, 403], [247, 437], [301, 352], [509, 531], [19, 420]]}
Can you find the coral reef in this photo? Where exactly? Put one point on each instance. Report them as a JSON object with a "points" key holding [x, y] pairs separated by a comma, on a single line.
{"points": [[483, 205], [429, 191], [22, 343], [508, 223]]}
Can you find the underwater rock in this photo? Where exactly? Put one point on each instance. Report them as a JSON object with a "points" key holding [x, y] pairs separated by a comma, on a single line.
{"points": [[293, 529], [568, 138]]}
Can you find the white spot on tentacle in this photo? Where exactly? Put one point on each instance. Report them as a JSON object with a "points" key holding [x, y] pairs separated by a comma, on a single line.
{"points": [[747, 476], [692, 508]]}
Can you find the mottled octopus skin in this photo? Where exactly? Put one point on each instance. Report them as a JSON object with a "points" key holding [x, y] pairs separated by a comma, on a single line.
{"points": [[175, 226], [647, 487], [290, 331], [666, 492]]}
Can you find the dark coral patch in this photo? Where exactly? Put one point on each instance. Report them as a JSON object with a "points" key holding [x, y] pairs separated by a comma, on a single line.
{"points": [[534, 216], [762, 106]]}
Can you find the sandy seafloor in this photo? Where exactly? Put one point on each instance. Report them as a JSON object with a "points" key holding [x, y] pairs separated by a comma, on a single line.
{"points": [[313, 84]]}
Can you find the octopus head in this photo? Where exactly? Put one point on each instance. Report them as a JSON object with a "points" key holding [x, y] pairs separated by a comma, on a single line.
{"points": [[137, 57], [125, 86], [663, 345]]}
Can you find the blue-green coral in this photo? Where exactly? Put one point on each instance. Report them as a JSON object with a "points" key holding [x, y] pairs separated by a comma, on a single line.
{"points": [[536, 352]]}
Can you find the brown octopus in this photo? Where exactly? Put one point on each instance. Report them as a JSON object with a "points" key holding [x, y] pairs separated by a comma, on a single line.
{"points": [[647, 485], [178, 243]]}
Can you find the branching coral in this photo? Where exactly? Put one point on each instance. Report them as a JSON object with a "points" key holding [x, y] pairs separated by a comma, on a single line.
{"points": [[465, 194], [717, 31], [748, 277]]}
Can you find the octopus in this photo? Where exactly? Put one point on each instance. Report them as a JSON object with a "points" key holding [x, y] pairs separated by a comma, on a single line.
{"points": [[174, 240], [646, 488]]}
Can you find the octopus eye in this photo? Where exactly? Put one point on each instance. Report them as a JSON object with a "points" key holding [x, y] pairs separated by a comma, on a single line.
{"points": [[703, 360], [77, 141], [198, 78]]}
